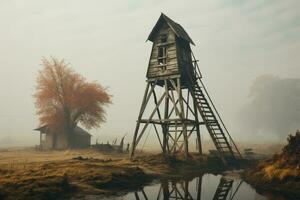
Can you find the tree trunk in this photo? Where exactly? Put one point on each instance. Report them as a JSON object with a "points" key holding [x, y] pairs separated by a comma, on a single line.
{"points": [[70, 136]]}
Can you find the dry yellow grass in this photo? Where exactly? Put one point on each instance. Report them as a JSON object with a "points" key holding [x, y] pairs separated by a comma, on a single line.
{"points": [[273, 171], [50, 174], [26, 172], [281, 172]]}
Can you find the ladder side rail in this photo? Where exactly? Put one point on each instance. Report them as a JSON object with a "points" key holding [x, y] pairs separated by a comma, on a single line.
{"points": [[198, 73], [222, 122], [210, 131], [219, 127], [223, 189], [238, 187]]}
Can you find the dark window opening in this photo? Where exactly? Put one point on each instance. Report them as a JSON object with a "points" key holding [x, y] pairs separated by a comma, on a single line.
{"points": [[162, 53], [162, 56], [163, 38]]}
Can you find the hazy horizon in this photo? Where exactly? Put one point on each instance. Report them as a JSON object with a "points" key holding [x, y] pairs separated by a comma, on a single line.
{"points": [[247, 52]]}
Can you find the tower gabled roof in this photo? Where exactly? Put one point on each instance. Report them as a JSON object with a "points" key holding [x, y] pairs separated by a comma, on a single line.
{"points": [[177, 28]]}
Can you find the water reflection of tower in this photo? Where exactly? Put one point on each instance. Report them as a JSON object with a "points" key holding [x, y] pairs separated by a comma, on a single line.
{"points": [[180, 190], [223, 189], [259, 197]]}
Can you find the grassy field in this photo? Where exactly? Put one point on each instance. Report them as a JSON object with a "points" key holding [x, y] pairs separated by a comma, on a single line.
{"points": [[27, 173]]}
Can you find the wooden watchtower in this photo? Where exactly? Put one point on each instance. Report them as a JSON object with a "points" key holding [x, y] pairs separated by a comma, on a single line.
{"points": [[184, 104]]}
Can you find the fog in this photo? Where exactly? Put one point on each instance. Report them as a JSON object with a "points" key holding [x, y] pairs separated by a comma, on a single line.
{"points": [[273, 107], [237, 43]]}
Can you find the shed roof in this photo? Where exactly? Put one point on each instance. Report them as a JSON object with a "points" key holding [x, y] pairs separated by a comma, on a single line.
{"points": [[177, 28], [78, 130], [81, 131], [42, 128]]}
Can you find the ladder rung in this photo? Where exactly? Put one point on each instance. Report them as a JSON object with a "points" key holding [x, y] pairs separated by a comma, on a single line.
{"points": [[219, 134], [207, 112], [206, 106], [222, 147], [214, 125], [214, 120], [206, 109], [209, 118], [219, 138]]}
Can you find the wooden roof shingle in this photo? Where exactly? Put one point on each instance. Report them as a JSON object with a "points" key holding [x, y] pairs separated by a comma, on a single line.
{"points": [[177, 28]]}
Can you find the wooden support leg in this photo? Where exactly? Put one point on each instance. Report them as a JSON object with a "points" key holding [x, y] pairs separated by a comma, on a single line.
{"points": [[197, 127], [162, 125], [136, 137], [199, 140], [198, 130], [136, 196], [186, 189], [145, 100], [199, 186], [165, 188], [144, 194], [186, 144], [182, 116], [166, 114], [41, 140]]}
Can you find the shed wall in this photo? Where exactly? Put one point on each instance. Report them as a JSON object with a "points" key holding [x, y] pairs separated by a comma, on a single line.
{"points": [[154, 70], [61, 141], [82, 141]]}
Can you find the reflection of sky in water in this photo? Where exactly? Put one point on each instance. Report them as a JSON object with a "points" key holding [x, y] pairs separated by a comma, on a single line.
{"points": [[210, 183]]}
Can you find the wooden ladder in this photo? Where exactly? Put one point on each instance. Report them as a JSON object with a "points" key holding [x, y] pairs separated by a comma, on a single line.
{"points": [[223, 189], [221, 138], [213, 126]]}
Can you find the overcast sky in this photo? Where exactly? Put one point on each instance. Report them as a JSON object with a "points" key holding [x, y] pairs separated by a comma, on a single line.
{"points": [[240, 44]]}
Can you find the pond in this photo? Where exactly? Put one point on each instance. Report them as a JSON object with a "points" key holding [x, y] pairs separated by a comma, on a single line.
{"points": [[204, 187]]}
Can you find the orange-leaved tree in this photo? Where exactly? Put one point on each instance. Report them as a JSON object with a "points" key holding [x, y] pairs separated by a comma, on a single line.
{"points": [[64, 98]]}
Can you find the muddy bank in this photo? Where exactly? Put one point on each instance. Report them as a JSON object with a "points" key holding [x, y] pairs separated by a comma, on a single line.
{"points": [[80, 175], [281, 173]]}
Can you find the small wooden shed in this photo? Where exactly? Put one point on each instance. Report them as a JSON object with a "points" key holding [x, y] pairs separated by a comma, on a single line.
{"points": [[54, 140]]}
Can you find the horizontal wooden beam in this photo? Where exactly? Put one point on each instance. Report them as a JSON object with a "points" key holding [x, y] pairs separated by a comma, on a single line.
{"points": [[164, 78], [171, 121], [165, 44]]}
